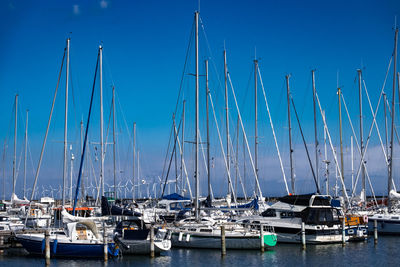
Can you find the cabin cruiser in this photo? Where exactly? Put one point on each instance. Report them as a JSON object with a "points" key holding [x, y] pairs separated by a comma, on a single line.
{"points": [[321, 219], [133, 237], [206, 233], [10, 224]]}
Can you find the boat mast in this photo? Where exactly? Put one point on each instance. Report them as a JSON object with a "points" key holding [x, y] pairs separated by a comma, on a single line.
{"points": [[196, 174], [114, 143], [25, 150], [71, 172], [83, 181], [386, 127], [134, 160], [175, 156], [393, 115], [340, 133], [326, 159], [315, 129], [208, 136], [227, 121], [255, 124], [290, 135], [361, 136], [65, 125], [101, 123], [352, 163], [15, 143], [182, 145]]}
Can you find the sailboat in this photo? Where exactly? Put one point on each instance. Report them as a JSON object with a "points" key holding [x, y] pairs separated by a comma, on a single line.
{"points": [[202, 231]]}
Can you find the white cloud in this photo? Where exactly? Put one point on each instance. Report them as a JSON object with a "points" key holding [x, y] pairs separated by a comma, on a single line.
{"points": [[76, 10], [103, 4]]}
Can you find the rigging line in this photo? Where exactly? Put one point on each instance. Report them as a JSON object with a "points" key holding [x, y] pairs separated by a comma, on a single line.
{"points": [[184, 67], [205, 162], [222, 146], [333, 150], [85, 140], [170, 162], [273, 132], [390, 113], [45, 137], [237, 169], [305, 145], [372, 126], [184, 165], [245, 137]]}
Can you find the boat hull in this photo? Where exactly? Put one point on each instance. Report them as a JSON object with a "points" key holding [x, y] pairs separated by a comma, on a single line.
{"points": [[140, 247], [385, 226], [214, 242], [61, 249]]}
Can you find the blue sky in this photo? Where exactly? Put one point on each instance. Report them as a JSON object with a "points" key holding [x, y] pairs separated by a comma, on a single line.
{"points": [[145, 44]]}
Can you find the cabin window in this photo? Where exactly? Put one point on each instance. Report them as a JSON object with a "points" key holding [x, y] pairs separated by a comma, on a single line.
{"points": [[269, 213], [206, 230], [288, 214], [395, 218], [1, 227]]}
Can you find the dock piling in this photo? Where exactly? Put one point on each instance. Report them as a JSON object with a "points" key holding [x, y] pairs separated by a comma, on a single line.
{"points": [[344, 231], [375, 232], [223, 244], [262, 237], [303, 235], [47, 246], [105, 243], [152, 242]]}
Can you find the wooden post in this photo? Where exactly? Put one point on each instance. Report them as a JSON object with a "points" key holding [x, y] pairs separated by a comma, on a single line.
{"points": [[344, 231], [47, 246], [223, 245], [105, 243], [262, 237], [375, 232], [1, 244], [152, 242], [303, 235]]}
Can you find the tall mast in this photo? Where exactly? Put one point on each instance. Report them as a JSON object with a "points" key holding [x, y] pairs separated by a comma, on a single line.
{"points": [[134, 161], [83, 180], [25, 150], [326, 159], [101, 123], [386, 126], [65, 167], [361, 136], [255, 124], [208, 135], [315, 129], [290, 135], [114, 143], [4, 170], [71, 173], [393, 116], [340, 133], [175, 156], [352, 163], [196, 205], [227, 121], [183, 144], [15, 143]]}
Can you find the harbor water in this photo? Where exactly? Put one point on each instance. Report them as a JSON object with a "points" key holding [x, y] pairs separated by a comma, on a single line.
{"points": [[385, 253]]}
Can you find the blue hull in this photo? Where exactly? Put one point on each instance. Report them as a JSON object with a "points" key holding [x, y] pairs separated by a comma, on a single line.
{"points": [[64, 250]]}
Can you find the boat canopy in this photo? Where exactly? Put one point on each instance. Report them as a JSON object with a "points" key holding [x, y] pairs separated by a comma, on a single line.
{"points": [[175, 196]]}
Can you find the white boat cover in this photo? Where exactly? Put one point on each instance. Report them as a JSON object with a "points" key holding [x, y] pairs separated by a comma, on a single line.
{"points": [[394, 195], [16, 200]]}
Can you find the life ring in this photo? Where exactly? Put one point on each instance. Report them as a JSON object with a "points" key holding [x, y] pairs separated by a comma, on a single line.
{"points": [[365, 219]]}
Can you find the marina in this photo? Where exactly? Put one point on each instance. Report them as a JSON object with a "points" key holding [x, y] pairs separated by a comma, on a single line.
{"points": [[119, 165]]}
